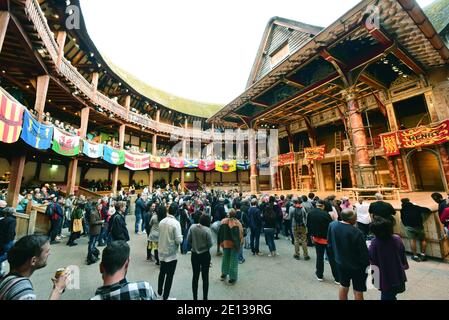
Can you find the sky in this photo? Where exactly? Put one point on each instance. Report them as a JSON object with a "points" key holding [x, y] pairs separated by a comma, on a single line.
{"points": [[197, 49]]}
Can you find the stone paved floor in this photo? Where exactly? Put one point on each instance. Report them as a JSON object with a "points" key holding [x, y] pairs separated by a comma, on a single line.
{"points": [[260, 278]]}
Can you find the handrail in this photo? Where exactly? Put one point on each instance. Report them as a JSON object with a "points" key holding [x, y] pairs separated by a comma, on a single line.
{"points": [[37, 17]]}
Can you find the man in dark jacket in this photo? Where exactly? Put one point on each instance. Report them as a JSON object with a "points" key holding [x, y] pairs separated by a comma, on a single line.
{"points": [[141, 207], [117, 224], [7, 234], [255, 225], [412, 219], [95, 224], [318, 222], [55, 212], [351, 254]]}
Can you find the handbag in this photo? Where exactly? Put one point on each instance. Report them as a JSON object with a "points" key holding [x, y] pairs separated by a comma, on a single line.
{"points": [[77, 225]]}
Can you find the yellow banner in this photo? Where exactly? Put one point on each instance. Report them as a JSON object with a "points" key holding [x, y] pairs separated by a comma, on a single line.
{"points": [[225, 166]]}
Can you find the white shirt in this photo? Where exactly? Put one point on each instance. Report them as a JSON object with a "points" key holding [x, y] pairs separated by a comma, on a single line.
{"points": [[362, 212], [334, 214], [170, 237]]}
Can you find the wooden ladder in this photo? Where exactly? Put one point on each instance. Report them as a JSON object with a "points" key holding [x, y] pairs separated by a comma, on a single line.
{"points": [[338, 161]]}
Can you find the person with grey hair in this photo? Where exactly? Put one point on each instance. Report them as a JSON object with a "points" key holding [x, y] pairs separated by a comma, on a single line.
{"points": [[349, 250], [7, 234], [382, 209]]}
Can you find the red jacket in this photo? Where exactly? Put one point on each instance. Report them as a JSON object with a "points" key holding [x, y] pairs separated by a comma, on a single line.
{"points": [[444, 217]]}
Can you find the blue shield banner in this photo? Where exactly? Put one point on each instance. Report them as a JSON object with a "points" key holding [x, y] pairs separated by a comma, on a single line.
{"points": [[36, 134]]}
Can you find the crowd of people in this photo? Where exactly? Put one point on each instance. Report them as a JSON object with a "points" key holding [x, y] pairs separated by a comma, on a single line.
{"points": [[350, 237]]}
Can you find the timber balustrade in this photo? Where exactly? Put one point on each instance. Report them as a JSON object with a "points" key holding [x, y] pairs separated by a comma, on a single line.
{"points": [[37, 17]]}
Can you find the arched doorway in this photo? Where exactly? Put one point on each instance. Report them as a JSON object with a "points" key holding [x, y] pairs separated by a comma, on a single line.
{"points": [[286, 178], [382, 172], [425, 171]]}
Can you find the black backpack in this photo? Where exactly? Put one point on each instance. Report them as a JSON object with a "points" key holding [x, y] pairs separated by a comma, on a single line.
{"points": [[299, 216]]}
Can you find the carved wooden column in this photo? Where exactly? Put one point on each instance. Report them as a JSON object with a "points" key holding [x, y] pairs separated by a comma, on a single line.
{"points": [[4, 21], [402, 174], [445, 162], [431, 106], [392, 171], [364, 170], [154, 150], [311, 169], [184, 155], [391, 116]]}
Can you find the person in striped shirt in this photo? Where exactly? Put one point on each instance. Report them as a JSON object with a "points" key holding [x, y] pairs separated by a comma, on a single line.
{"points": [[28, 254]]}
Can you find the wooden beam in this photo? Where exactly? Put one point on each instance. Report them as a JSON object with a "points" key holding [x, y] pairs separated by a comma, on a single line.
{"points": [[41, 95], [71, 176], [84, 121], [4, 22], [60, 39], [15, 182]]}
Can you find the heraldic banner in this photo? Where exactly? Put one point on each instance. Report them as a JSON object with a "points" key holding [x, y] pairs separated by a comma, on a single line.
{"points": [[425, 135], [243, 165], [390, 144], [92, 150], [314, 153], [65, 144], [225, 165], [137, 161], [191, 163], [36, 134], [177, 163], [114, 156], [287, 158], [159, 162], [11, 117], [206, 165]]}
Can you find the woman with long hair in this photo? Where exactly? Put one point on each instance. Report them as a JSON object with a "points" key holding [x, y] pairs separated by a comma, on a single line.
{"points": [[153, 233], [387, 254]]}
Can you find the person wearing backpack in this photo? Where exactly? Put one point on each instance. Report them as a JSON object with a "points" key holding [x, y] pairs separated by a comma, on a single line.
{"points": [[54, 211], [299, 223]]}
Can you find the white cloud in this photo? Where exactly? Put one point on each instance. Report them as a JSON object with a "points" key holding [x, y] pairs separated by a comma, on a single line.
{"points": [[197, 49]]}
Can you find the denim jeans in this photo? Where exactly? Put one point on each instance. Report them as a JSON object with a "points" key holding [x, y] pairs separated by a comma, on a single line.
{"points": [[254, 239], [320, 250], [103, 238], [4, 251], [138, 222], [269, 238], [185, 246], [91, 245]]}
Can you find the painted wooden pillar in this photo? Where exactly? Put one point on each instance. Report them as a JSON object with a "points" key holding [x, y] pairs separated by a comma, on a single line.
{"points": [[154, 149], [15, 181], [4, 21], [121, 139], [431, 106], [253, 162], [184, 155], [60, 39], [445, 162], [311, 169], [127, 104], [392, 171], [402, 174], [391, 116], [364, 171], [95, 77], [41, 95], [73, 165]]}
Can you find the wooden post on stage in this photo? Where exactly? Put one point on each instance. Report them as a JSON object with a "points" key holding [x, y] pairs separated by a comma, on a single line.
{"points": [[4, 21], [445, 162], [41, 95], [253, 161], [121, 139], [402, 173], [15, 181], [73, 165], [392, 171], [154, 150], [60, 39]]}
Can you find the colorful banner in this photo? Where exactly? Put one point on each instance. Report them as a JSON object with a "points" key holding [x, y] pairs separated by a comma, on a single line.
{"points": [[287, 158], [177, 163], [390, 144], [113, 156], [159, 162], [92, 150], [314, 153], [243, 165], [65, 144], [137, 161], [206, 165], [36, 134], [225, 165], [191, 163], [425, 135], [11, 117]]}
